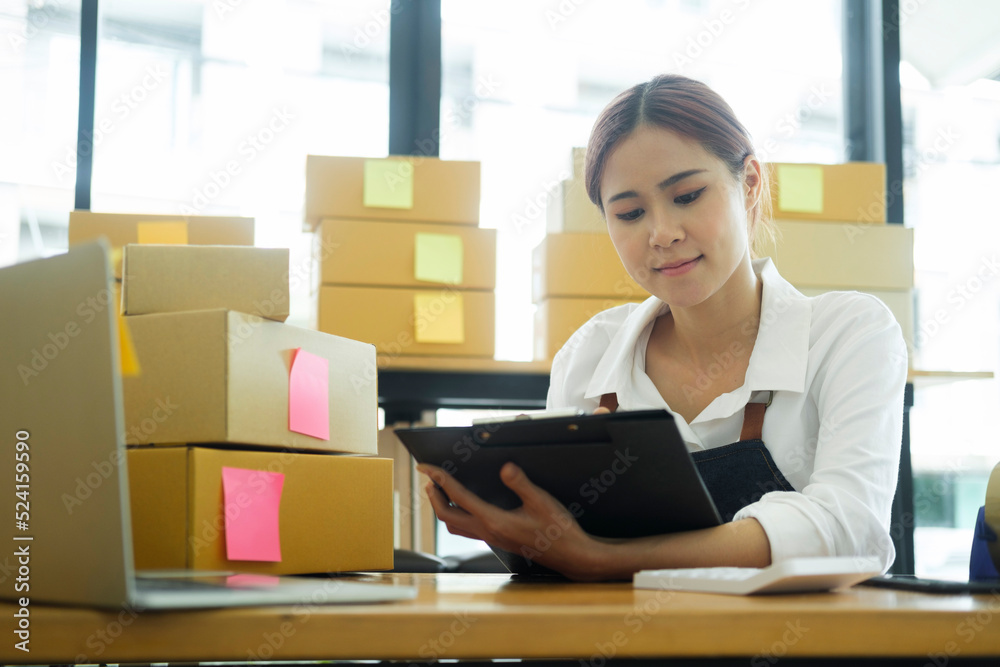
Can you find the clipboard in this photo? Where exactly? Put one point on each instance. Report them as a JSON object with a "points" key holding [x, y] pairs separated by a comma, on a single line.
{"points": [[623, 474]]}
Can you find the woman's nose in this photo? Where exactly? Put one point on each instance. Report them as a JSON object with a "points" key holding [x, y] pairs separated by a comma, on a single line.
{"points": [[665, 230]]}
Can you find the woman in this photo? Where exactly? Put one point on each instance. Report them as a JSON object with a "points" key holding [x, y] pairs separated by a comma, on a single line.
{"points": [[791, 406]]}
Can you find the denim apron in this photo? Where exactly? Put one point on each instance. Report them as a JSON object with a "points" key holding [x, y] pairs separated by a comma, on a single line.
{"points": [[739, 473]]}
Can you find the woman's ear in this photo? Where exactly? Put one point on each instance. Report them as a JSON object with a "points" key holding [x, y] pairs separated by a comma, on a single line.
{"points": [[752, 181]]}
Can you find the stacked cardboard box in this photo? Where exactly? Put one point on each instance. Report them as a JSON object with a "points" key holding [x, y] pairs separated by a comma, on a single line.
{"points": [[832, 234], [237, 424], [122, 228], [576, 270], [401, 261]]}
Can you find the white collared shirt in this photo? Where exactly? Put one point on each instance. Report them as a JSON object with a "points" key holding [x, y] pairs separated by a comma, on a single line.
{"points": [[837, 364]]}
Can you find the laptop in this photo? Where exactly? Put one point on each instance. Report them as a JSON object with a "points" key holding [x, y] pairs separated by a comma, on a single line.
{"points": [[61, 420], [623, 474]]}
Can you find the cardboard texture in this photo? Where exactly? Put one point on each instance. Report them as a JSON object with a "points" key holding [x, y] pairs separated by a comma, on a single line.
{"points": [[123, 228], [849, 256], [368, 252], [335, 513], [557, 318], [570, 210], [219, 376], [581, 265], [852, 192], [175, 278], [442, 191], [384, 316], [900, 302]]}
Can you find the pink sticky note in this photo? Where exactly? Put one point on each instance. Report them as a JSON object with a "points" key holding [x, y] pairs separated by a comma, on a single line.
{"points": [[251, 500], [247, 580], [309, 395]]}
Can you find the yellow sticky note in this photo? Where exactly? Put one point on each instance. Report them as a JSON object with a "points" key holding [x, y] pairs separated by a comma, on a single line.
{"points": [[175, 233], [129, 359], [800, 188], [388, 184], [439, 317], [438, 258]]}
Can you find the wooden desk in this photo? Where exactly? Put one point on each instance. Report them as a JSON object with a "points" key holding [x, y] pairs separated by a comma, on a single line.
{"points": [[471, 616]]}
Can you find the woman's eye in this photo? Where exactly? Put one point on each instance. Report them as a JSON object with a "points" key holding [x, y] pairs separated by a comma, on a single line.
{"points": [[629, 215], [689, 197]]}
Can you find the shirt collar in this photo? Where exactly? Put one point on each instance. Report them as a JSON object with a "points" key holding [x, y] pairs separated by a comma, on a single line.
{"points": [[778, 361], [613, 372]]}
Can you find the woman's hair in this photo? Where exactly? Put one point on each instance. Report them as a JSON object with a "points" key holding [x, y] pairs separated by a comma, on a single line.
{"points": [[690, 109]]}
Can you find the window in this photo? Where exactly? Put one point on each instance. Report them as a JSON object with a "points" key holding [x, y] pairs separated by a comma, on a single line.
{"points": [[39, 74], [523, 83], [210, 108], [951, 112]]}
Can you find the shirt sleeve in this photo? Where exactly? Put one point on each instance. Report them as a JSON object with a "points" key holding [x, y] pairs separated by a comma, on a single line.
{"points": [[845, 508]]}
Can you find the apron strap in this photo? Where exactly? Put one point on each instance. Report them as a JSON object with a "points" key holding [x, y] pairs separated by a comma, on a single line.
{"points": [[753, 415], [753, 419], [610, 401]]}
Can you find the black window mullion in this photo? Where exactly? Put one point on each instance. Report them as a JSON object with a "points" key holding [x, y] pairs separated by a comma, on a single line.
{"points": [[85, 117], [415, 77]]}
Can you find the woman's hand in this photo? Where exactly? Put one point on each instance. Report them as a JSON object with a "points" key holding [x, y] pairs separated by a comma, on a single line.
{"points": [[541, 529]]}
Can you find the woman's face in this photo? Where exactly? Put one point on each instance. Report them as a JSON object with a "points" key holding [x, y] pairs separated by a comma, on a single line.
{"points": [[676, 215]]}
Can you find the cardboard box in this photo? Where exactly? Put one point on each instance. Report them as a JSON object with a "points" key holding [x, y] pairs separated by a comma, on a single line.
{"points": [[570, 210], [852, 192], [900, 302], [363, 252], [557, 318], [388, 318], [219, 376], [423, 189], [335, 512], [123, 228], [855, 256], [581, 265], [173, 278]]}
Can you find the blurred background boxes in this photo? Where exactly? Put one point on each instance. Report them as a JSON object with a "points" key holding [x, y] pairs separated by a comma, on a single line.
{"points": [[219, 376], [398, 254], [175, 278], [851, 192], [557, 318], [585, 265], [123, 228], [335, 512], [439, 321], [570, 210], [844, 256], [416, 189]]}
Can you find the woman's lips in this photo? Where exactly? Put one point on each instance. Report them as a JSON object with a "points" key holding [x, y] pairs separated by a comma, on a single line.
{"points": [[678, 268]]}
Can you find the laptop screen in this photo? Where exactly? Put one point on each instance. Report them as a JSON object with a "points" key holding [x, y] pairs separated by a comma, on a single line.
{"points": [[64, 486]]}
